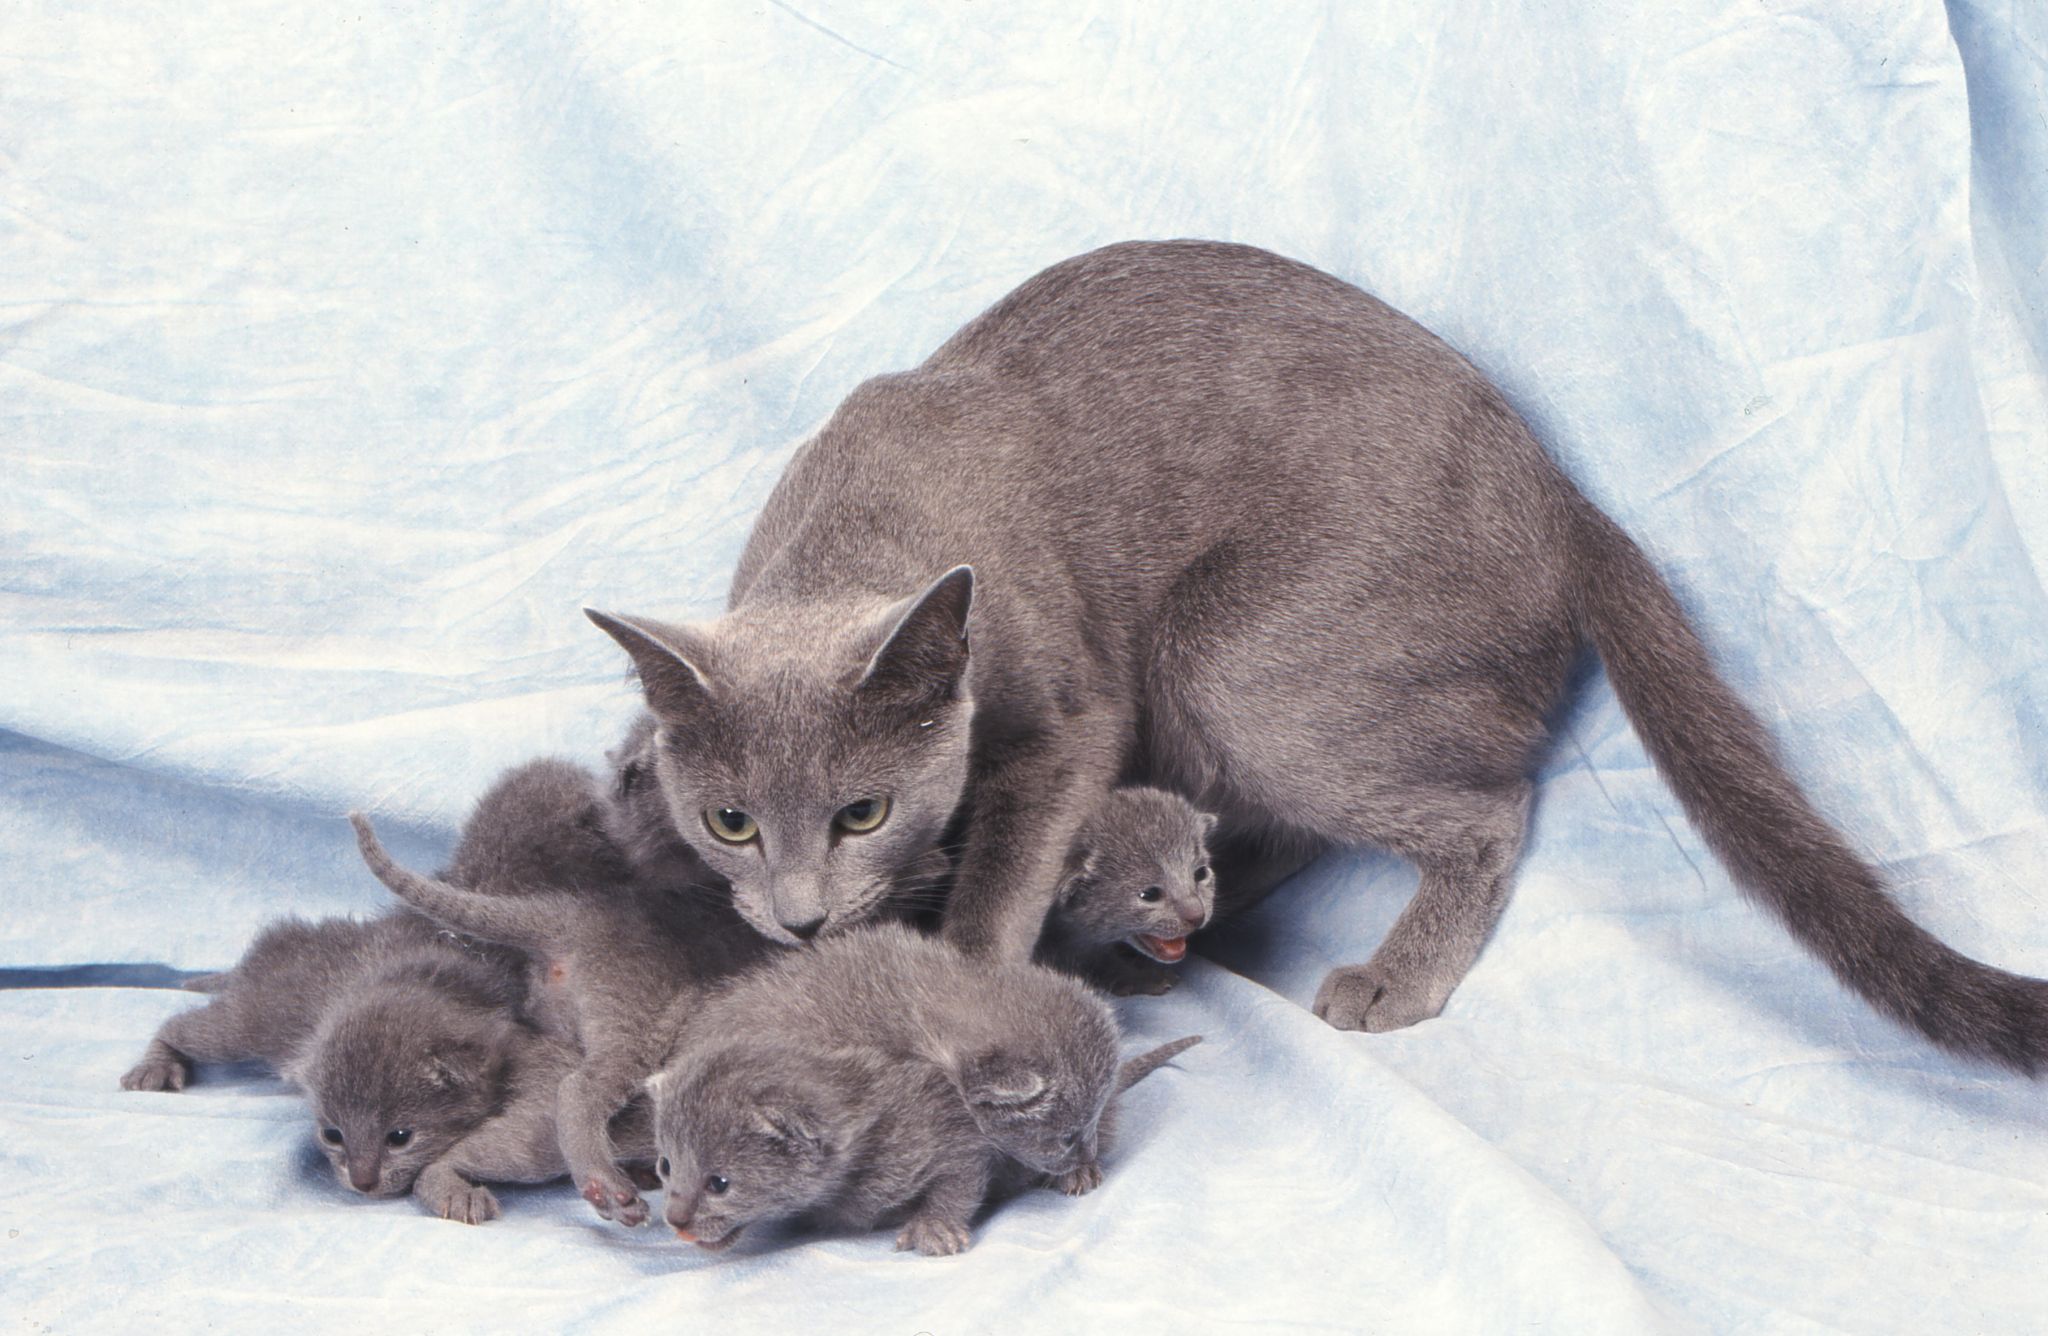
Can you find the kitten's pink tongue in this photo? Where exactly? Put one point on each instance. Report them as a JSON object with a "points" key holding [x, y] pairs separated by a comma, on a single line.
{"points": [[1168, 949]]}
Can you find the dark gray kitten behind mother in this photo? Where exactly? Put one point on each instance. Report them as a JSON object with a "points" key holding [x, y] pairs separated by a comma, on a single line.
{"points": [[1238, 529]]}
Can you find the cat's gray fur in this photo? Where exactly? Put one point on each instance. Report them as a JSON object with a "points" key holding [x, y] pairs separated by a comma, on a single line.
{"points": [[1239, 529], [1138, 882], [608, 959], [388, 1026], [847, 1138], [1030, 1052]]}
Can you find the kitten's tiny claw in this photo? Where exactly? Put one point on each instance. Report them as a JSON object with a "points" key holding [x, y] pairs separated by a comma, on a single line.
{"points": [[468, 1203], [156, 1074], [1079, 1182], [616, 1200], [934, 1238]]}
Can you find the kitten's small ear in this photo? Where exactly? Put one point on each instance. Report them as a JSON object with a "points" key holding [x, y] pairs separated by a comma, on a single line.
{"points": [[674, 684], [1080, 876], [464, 1064], [999, 1080], [922, 657], [1207, 826], [794, 1126]]}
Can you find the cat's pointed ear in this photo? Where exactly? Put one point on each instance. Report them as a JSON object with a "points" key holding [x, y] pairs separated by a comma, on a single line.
{"points": [[1205, 827], [667, 658], [922, 657], [997, 1079], [466, 1064]]}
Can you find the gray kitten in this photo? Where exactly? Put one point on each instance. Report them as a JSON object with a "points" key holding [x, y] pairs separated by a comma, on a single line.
{"points": [[1139, 882], [1030, 1052], [404, 1043], [608, 958], [546, 824], [847, 1138], [1239, 529]]}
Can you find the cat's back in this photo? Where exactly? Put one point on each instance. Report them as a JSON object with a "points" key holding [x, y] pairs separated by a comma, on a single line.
{"points": [[542, 825]]}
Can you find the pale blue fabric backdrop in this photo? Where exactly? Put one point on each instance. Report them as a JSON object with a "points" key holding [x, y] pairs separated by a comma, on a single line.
{"points": [[344, 354]]}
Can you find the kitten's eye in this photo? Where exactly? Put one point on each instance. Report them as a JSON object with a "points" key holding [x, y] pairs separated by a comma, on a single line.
{"points": [[398, 1136], [1202, 873], [331, 1135], [734, 827], [661, 1166], [1067, 1141], [716, 1185], [1151, 894], [863, 816]]}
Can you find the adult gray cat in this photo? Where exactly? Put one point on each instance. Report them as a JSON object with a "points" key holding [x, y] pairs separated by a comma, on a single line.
{"points": [[1239, 529]]}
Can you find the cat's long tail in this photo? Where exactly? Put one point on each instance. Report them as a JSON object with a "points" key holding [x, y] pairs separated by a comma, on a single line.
{"points": [[1717, 757], [1137, 1069], [526, 921]]}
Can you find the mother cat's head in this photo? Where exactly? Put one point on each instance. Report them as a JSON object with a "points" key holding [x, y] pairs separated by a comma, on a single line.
{"points": [[811, 751]]}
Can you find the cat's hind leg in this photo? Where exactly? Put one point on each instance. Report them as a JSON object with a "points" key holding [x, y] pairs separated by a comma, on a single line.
{"points": [[1466, 844]]}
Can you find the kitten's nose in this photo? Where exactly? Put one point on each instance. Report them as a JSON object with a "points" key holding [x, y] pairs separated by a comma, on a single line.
{"points": [[803, 932], [362, 1177], [1194, 918]]}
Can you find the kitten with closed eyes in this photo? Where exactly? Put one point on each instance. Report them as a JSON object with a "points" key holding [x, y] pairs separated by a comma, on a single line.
{"points": [[1030, 1052], [405, 1044], [747, 1131], [1138, 882], [607, 958]]}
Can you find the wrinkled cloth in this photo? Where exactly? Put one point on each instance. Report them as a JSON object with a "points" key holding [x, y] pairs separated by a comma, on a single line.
{"points": [[345, 355]]}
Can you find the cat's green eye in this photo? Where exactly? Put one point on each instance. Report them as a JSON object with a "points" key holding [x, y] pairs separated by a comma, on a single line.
{"points": [[863, 816], [734, 827]]}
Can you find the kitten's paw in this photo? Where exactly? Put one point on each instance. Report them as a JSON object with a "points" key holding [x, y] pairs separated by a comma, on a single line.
{"points": [[1371, 998], [468, 1203], [934, 1238], [1079, 1182], [157, 1073], [1141, 978], [614, 1197]]}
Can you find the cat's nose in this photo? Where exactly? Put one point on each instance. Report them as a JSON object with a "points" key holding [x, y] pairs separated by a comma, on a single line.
{"points": [[1194, 918], [803, 932], [362, 1177]]}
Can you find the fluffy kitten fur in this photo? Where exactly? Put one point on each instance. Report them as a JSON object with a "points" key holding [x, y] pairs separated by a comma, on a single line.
{"points": [[405, 1044], [1139, 882], [1239, 529], [608, 957], [748, 1131], [1030, 1052]]}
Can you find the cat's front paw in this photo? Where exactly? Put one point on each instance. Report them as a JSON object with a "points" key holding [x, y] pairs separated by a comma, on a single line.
{"points": [[1079, 1182], [934, 1238], [465, 1202], [158, 1072], [1372, 998], [614, 1197]]}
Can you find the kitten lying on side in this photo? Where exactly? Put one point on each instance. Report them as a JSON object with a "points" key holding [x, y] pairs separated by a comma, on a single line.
{"points": [[1138, 883], [405, 1044], [855, 1138], [607, 957], [1030, 1052]]}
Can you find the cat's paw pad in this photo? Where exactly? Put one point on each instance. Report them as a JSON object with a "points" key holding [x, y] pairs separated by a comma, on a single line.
{"points": [[155, 1073], [467, 1203], [615, 1198], [934, 1238], [1370, 998], [1079, 1182]]}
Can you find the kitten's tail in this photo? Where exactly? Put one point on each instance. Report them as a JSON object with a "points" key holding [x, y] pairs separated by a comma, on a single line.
{"points": [[1137, 1069], [1717, 757], [527, 922]]}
